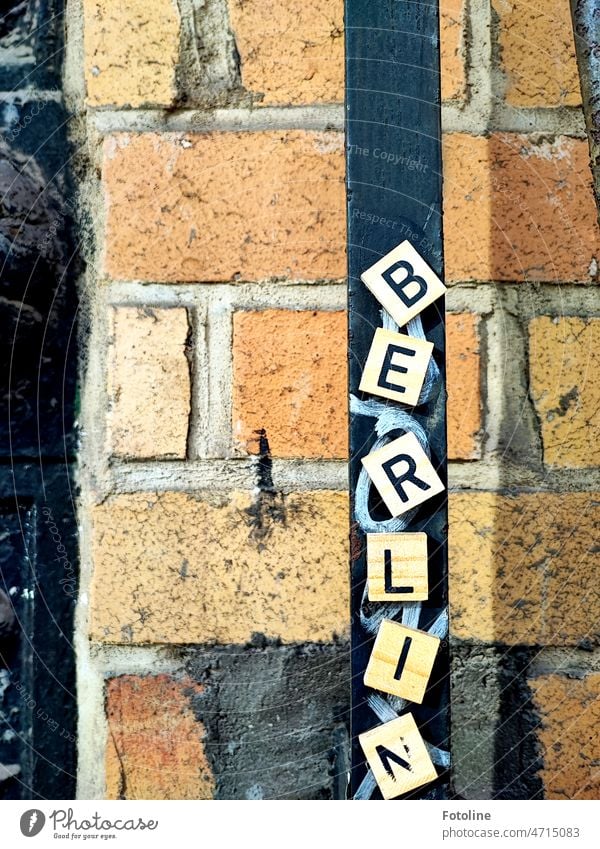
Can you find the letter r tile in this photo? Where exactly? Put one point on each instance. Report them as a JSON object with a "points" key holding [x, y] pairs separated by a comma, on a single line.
{"points": [[403, 283], [403, 474]]}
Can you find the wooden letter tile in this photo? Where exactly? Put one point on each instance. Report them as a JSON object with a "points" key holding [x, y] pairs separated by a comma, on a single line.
{"points": [[396, 366], [403, 474], [403, 283], [397, 567], [398, 756], [401, 661]]}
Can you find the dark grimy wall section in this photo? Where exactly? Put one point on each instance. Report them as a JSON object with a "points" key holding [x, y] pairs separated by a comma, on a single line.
{"points": [[38, 552]]}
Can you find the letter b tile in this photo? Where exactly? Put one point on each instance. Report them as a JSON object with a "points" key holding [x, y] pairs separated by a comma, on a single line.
{"points": [[403, 283]]}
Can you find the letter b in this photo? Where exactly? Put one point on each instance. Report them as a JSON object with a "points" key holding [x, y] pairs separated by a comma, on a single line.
{"points": [[409, 287]]}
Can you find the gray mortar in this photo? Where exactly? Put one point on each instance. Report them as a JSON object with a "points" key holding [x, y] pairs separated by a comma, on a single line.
{"points": [[276, 719], [494, 745], [209, 71]]}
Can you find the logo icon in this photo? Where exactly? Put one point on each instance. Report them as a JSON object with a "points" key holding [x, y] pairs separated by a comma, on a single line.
{"points": [[32, 822]]}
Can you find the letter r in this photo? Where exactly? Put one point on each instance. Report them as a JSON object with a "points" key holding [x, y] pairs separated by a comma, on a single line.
{"points": [[398, 480]]}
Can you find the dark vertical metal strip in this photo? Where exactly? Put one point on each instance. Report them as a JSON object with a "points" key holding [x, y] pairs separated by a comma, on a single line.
{"points": [[394, 193]]}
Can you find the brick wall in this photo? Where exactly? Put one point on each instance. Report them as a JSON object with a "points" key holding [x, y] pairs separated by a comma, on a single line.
{"points": [[213, 625]]}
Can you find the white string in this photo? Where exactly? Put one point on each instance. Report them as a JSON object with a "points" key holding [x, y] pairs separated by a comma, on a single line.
{"points": [[388, 419]]}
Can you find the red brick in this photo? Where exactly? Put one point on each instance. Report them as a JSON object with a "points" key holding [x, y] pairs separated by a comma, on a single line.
{"points": [[155, 747]]}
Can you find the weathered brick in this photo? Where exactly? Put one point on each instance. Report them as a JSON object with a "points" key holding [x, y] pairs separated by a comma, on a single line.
{"points": [[174, 568], [295, 55], [311, 67], [464, 387], [523, 568], [131, 52], [452, 60], [290, 379], [564, 367], [225, 206], [155, 747], [569, 710], [148, 383], [537, 53], [518, 208]]}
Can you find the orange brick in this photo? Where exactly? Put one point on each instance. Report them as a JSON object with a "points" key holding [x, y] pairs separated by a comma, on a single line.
{"points": [[290, 379], [523, 568], [148, 383], [569, 710], [518, 209], [225, 206], [311, 67], [155, 743], [452, 35], [218, 568], [294, 54], [564, 368], [131, 52], [537, 53], [463, 384]]}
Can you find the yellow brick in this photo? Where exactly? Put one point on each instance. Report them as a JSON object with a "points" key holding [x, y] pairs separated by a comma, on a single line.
{"points": [[538, 53], [131, 52], [225, 206], [174, 568], [148, 383], [569, 710], [291, 53], [564, 363], [523, 568], [290, 380], [452, 34], [464, 386], [311, 67]]}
